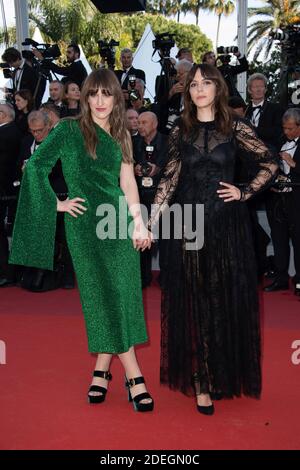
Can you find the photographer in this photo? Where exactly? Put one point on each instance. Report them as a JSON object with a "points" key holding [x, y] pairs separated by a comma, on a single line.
{"points": [[75, 72], [23, 75], [150, 155], [136, 91], [228, 71], [128, 69], [171, 110]]}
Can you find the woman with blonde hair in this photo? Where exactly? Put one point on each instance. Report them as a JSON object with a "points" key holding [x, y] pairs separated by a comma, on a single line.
{"points": [[96, 155]]}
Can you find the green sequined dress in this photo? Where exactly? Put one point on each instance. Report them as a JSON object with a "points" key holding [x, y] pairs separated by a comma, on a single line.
{"points": [[107, 270]]}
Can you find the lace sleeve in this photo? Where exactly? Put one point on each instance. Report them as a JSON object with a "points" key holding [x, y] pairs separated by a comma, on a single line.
{"points": [[255, 151], [168, 182]]}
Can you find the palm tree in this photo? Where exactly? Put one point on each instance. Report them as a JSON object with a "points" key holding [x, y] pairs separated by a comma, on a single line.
{"points": [[194, 6], [176, 7], [278, 14], [222, 8]]}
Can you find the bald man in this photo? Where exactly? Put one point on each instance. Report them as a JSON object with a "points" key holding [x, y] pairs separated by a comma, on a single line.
{"points": [[150, 155]]}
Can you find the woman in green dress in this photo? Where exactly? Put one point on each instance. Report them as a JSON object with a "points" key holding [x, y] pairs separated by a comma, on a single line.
{"points": [[96, 156]]}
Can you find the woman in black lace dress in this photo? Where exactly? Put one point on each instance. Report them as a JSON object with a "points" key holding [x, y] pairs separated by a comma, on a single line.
{"points": [[210, 317]]}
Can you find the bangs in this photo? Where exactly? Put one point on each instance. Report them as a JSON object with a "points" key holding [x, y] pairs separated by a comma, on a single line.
{"points": [[209, 72], [103, 80], [104, 91]]}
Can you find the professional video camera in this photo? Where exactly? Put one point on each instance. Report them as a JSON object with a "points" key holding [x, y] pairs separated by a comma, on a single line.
{"points": [[107, 51], [163, 43], [48, 51]]}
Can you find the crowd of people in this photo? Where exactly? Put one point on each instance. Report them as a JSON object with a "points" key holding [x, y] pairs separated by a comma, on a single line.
{"points": [[95, 139]]}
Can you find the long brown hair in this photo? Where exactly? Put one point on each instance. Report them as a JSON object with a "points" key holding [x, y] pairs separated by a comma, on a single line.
{"points": [[107, 81], [223, 117]]}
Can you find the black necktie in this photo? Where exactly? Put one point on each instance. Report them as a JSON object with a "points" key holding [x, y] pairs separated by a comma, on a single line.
{"points": [[254, 108]]}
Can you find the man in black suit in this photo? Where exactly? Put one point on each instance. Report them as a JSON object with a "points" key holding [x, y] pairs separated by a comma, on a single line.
{"points": [[150, 156], [264, 115], [10, 138], [75, 72], [24, 76], [128, 69], [285, 214]]}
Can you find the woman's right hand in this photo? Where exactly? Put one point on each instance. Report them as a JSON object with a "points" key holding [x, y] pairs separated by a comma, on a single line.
{"points": [[72, 206]]}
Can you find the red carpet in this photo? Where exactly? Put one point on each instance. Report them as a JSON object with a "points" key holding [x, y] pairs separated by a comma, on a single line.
{"points": [[48, 370]]}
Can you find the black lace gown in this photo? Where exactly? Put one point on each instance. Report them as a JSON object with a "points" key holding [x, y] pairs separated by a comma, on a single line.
{"points": [[210, 317]]}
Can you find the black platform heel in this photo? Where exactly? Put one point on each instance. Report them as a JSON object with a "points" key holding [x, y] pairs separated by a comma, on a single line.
{"points": [[205, 410], [138, 406], [97, 388]]}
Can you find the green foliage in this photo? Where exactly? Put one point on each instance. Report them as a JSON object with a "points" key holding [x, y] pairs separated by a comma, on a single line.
{"points": [[272, 14], [185, 35], [65, 21]]}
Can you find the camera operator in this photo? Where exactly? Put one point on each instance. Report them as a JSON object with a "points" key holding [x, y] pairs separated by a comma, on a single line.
{"points": [[228, 71], [23, 76], [128, 69], [10, 138], [75, 72], [150, 155]]}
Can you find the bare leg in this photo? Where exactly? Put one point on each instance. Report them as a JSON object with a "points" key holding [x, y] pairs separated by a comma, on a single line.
{"points": [[132, 370], [102, 363], [203, 399]]}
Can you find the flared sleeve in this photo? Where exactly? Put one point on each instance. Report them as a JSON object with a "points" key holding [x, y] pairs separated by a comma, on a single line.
{"points": [[258, 154], [168, 182], [35, 224]]}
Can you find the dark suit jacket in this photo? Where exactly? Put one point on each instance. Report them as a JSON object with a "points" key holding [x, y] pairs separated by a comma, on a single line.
{"points": [[33, 81], [269, 127], [294, 172], [159, 158], [29, 79], [75, 72], [10, 138], [132, 71]]}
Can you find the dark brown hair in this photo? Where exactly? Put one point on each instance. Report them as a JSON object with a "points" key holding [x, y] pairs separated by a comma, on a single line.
{"points": [[223, 116], [107, 81], [26, 95]]}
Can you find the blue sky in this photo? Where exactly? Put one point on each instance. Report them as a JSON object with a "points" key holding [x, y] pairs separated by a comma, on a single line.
{"points": [[207, 22]]}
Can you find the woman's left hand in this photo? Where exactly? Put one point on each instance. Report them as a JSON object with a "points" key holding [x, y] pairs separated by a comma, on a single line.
{"points": [[230, 193]]}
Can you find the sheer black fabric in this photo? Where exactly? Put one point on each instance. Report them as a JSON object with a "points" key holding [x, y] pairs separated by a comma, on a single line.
{"points": [[210, 316]]}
